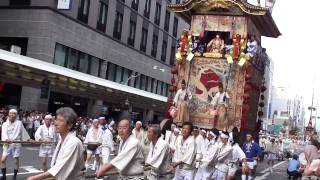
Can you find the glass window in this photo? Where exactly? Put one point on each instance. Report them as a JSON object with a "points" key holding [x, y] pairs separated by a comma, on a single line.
{"points": [[137, 82], [167, 21], [20, 2], [172, 55], [144, 37], [132, 33], [135, 4], [126, 75], [147, 5], [83, 62], [83, 11], [149, 84], [118, 25], [94, 66], [159, 87], [158, 14], [143, 82], [175, 27], [164, 89], [164, 51], [72, 59], [111, 71], [154, 86], [154, 46], [178, 2], [119, 74], [102, 20], [60, 55]]}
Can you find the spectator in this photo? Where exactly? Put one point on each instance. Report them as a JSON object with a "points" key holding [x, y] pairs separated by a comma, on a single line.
{"points": [[293, 168]]}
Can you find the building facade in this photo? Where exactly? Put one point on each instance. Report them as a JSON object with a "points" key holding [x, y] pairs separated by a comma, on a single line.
{"points": [[129, 42]]}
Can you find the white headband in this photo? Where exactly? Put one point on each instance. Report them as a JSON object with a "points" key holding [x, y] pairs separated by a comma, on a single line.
{"points": [[212, 134], [48, 116], [95, 120], [139, 122], [13, 111], [222, 135], [101, 118], [203, 131]]}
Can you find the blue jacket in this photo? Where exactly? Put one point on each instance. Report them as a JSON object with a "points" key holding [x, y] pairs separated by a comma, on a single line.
{"points": [[253, 151]]}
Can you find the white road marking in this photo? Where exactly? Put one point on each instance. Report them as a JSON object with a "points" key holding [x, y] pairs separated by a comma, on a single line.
{"points": [[29, 169], [266, 173], [32, 148]]}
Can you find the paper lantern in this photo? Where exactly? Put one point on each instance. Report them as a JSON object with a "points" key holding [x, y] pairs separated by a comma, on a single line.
{"points": [[174, 70], [263, 88], [260, 113], [172, 89], [248, 76], [245, 108], [246, 96], [173, 80], [262, 97], [247, 87]]}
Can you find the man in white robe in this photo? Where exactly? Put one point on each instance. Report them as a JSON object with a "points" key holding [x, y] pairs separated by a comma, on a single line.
{"points": [[184, 158], [173, 140], [93, 137], [107, 146], [200, 142], [130, 155], [224, 154], [12, 130], [158, 157], [67, 161], [139, 133], [46, 133], [208, 160], [169, 134], [181, 102]]}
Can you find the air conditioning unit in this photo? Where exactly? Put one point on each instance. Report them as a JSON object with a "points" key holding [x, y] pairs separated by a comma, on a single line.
{"points": [[15, 49]]}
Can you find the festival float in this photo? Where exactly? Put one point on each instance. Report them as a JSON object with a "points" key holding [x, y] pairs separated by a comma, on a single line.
{"points": [[221, 49]]}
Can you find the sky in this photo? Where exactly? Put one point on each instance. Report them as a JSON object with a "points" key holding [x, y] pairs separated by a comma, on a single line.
{"points": [[295, 52]]}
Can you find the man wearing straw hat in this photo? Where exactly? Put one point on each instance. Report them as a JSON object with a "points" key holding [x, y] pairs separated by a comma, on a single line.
{"points": [[46, 133], [12, 130]]}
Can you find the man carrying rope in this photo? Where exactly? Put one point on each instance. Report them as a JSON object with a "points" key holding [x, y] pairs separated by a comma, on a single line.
{"points": [[12, 130]]}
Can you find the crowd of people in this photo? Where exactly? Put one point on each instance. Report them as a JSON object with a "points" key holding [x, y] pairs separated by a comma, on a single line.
{"points": [[184, 152]]}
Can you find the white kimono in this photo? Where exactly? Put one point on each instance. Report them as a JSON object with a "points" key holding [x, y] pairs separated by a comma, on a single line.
{"points": [[13, 132], [129, 160], [207, 162], [67, 161], [200, 142], [186, 153], [237, 156], [107, 146], [140, 135], [49, 134], [224, 154], [159, 160]]}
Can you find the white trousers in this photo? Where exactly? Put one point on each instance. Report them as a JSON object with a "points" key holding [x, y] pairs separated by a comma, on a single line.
{"points": [[204, 173], [181, 174], [219, 175], [105, 155]]}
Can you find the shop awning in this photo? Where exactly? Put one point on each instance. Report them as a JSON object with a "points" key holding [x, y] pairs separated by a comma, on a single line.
{"points": [[62, 71]]}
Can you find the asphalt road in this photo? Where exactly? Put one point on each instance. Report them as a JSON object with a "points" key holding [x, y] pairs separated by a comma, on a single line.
{"points": [[30, 165]]}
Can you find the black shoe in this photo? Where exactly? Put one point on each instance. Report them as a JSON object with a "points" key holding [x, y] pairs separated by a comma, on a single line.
{"points": [[4, 173], [15, 173]]}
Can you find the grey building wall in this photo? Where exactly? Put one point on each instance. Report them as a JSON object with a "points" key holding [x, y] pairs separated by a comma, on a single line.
{"points": [[44, 26]]}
